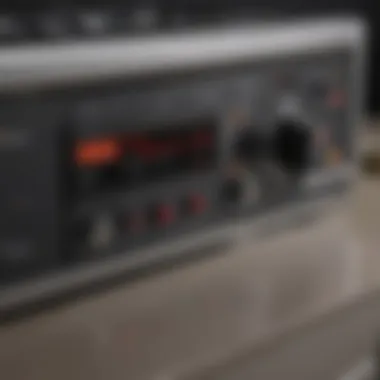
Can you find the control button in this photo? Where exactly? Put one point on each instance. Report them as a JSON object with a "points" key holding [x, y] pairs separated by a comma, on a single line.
{"points": [[165, 214], [197, 204]]}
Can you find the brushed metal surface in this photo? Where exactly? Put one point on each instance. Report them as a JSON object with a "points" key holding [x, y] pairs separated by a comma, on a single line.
{"points": [[36, 66]]}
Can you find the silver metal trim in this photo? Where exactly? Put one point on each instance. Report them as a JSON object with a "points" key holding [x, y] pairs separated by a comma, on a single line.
{"points": [[39, 66], [348, 171]]}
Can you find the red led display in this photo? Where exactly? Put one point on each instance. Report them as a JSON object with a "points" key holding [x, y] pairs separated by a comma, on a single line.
{"points": [[147, 147]]}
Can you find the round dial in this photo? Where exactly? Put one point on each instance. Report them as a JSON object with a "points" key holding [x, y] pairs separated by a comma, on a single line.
{"points": [[292, 145]]}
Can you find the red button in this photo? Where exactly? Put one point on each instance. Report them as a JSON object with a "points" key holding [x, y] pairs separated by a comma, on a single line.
{"points": [[166, 214], [198, 204]]}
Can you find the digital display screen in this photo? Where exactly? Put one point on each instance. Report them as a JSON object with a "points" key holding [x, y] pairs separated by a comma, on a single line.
{"points": [[149, 155]]}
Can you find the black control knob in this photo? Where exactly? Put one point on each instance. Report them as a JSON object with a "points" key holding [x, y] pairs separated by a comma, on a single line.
{"points": [[292, 146]]}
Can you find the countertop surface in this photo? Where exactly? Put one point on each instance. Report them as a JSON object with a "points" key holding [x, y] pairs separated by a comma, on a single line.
{"points": [[186, 319]]}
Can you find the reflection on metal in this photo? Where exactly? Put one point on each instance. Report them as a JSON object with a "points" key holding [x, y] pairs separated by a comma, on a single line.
{"points": [[364, 370]]}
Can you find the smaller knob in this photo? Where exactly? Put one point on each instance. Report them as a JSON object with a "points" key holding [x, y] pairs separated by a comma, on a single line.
{"points": [[292, 146]]}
